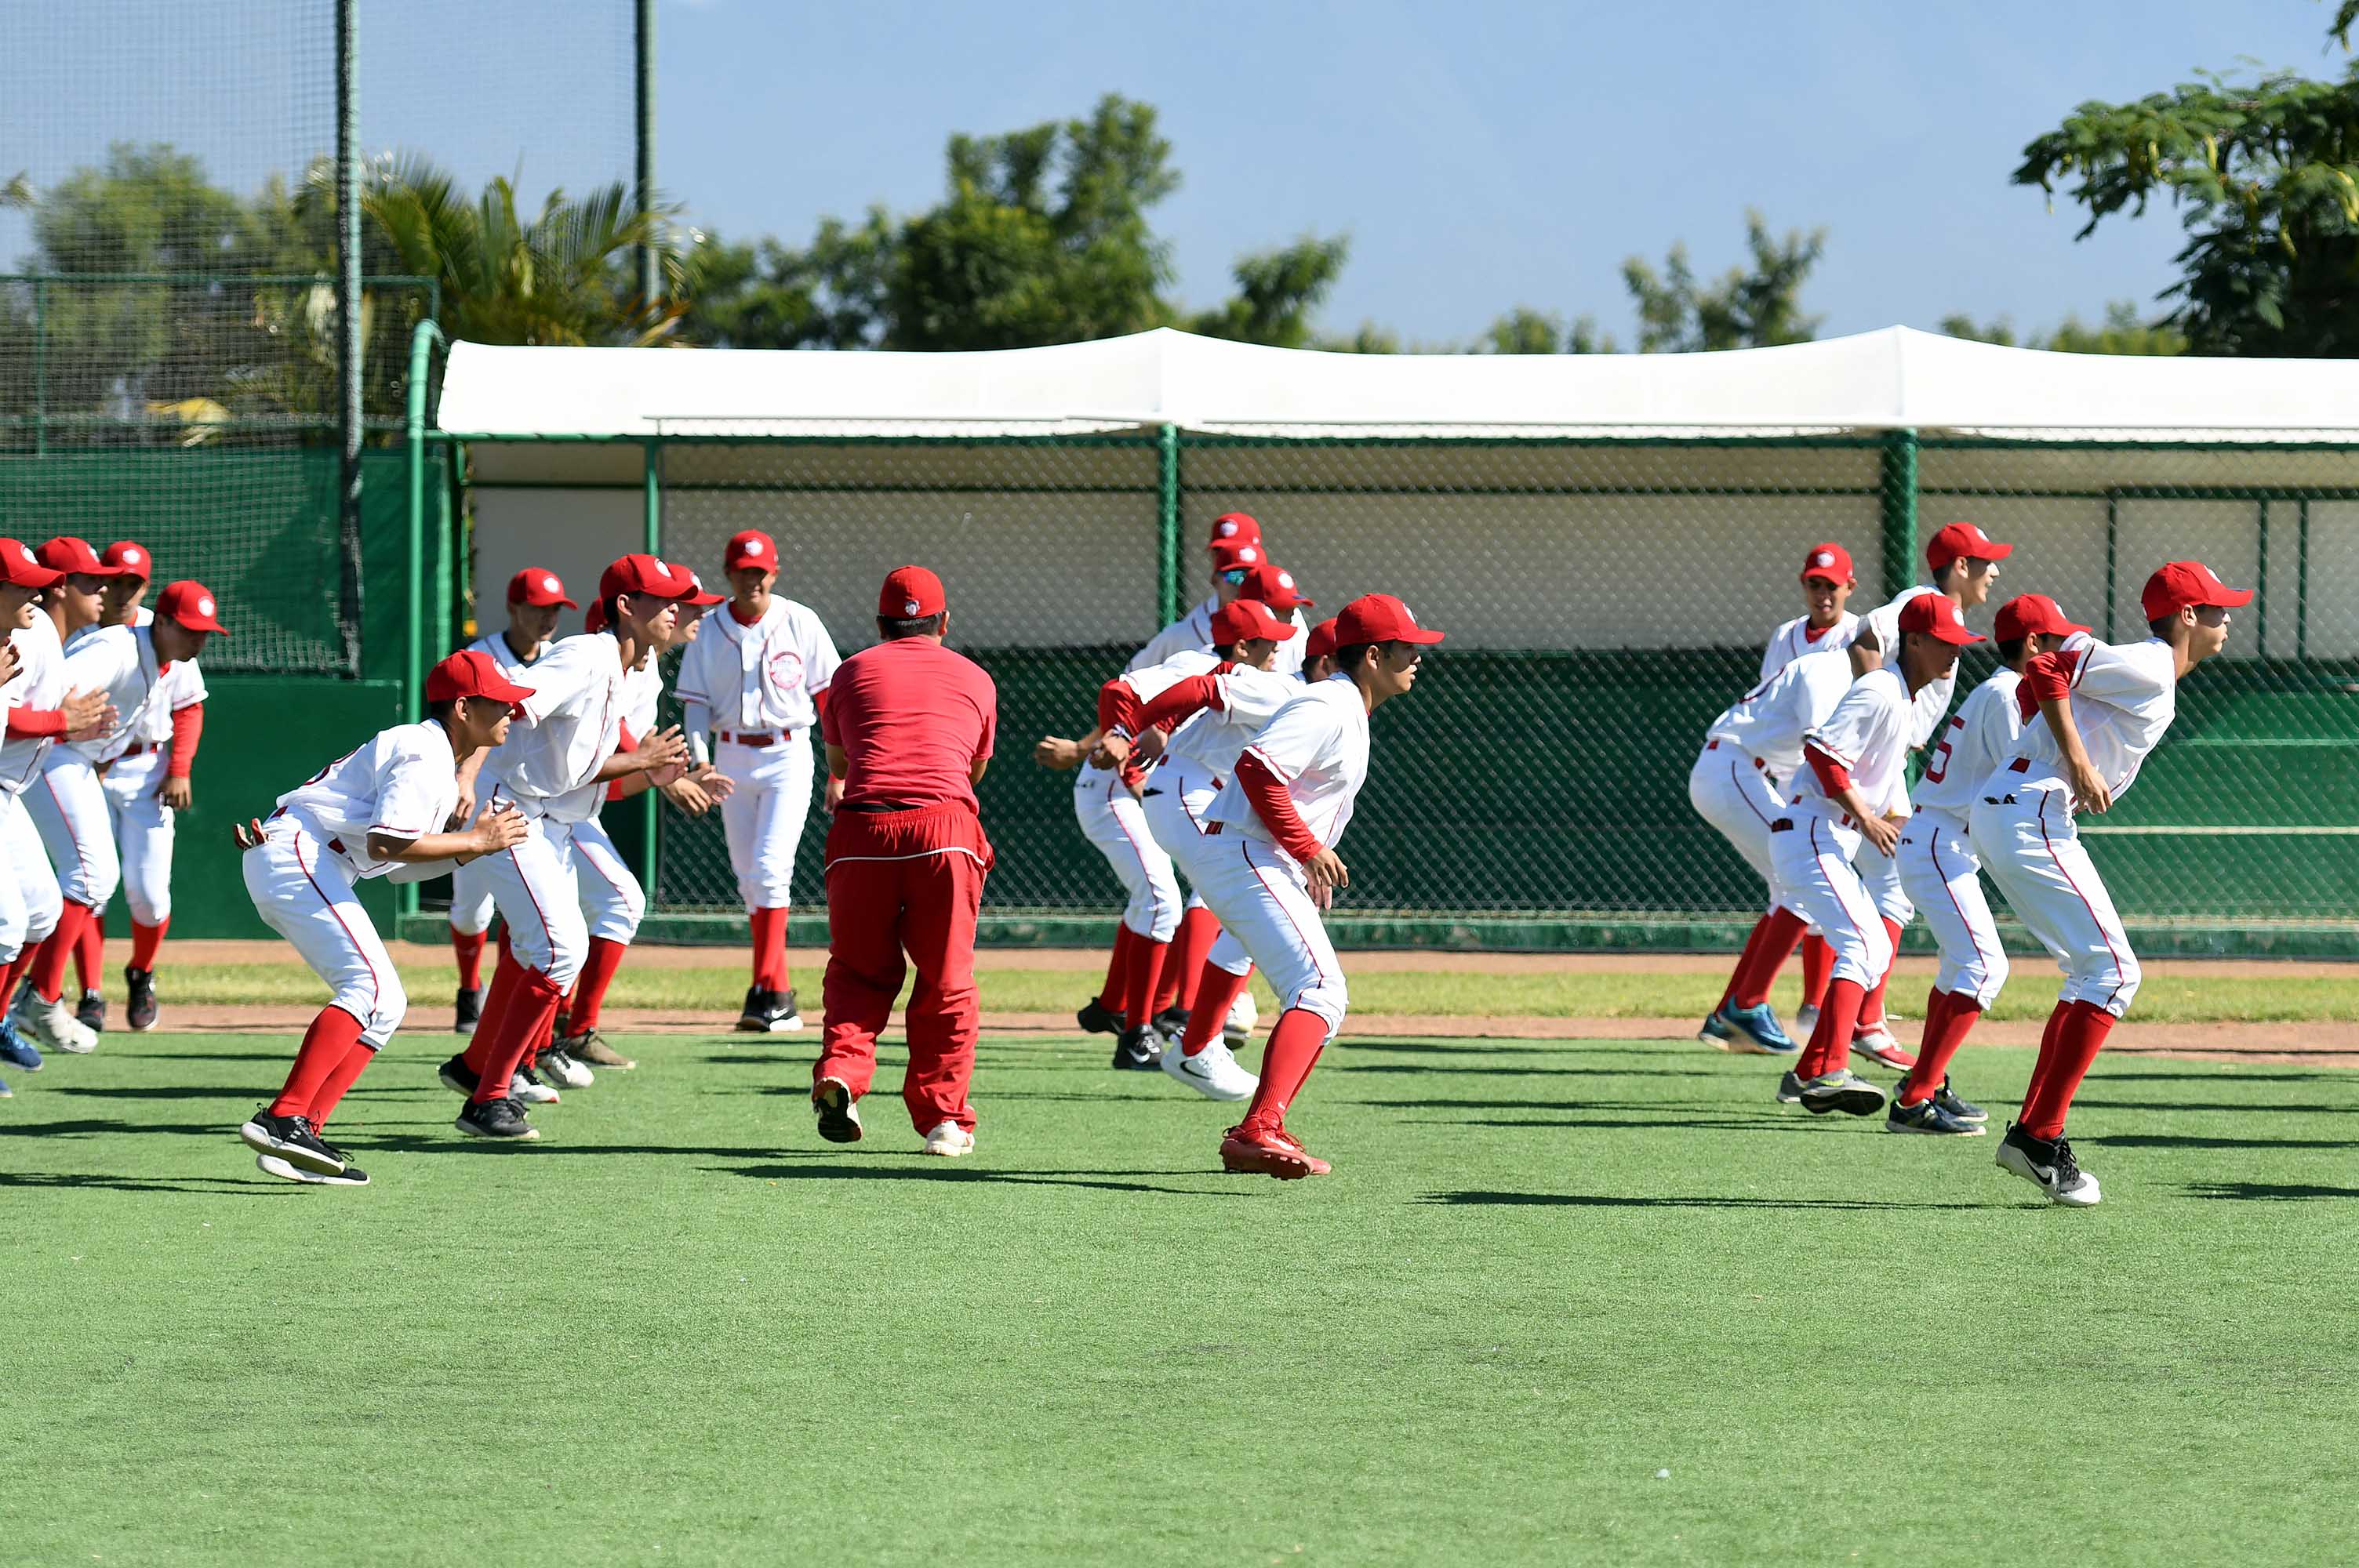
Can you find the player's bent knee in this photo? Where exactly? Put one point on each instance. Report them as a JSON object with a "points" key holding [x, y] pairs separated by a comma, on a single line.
{"points": [[392, 1006]]}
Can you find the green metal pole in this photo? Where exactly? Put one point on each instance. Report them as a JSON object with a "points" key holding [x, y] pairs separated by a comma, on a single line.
{"points": [[1899, 493], [422, 339], [2261, 600], [649, 860], [644, 33], [40, 367], [1167, 553], [348, 320]]}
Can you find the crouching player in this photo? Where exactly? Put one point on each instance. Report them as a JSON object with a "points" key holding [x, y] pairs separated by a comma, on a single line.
{"points": [[1269, 864], [383, 806], [2103, 707], [1855, 792]]}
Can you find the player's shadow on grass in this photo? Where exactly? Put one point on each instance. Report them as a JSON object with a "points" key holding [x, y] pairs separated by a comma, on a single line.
{"points": [[1602, 1200], [153, 1091], [212, 1186], [2082, 1101], [2267, 1192], [110, 1129], [2189, 1141], [1421, 1068], [887, 1169], [2104, 1076]]}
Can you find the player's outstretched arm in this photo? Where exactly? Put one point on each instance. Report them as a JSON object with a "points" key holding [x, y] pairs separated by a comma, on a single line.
{"points": [[496, 827]]}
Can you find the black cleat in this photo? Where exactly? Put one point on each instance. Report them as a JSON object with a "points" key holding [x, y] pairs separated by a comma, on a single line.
{"points": [[2048, 1163], [292, 1139], [1926, 1116], [495, 1119], [1096, 1018], [1139, 1050], [839, 1118], [139, 1007], [754, 1017], [788, 1017], [459, 1077], [1172, 1021], [91, 1012], [468, 1012], [1962, 1110]]}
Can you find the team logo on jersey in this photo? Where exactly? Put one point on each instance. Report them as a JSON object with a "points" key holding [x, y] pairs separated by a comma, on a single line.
{"points": [[787, 669]]}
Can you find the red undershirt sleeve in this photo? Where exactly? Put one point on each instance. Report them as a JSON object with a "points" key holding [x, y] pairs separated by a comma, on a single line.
{"points": [[819, 701], [1275, 806], [1118, 709], [626, 742], [2045, 677], [1182, 699], [1833, 777], [188, 723], [36, 722]]}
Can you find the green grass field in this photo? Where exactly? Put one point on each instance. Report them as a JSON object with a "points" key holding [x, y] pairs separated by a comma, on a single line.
{"points": [[682, 1330]]}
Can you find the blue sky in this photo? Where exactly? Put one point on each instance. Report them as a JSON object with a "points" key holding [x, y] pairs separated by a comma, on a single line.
{"points": [[1480, 155]]}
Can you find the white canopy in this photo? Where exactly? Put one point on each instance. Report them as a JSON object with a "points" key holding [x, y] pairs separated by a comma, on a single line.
{"points": [[1892, 379]]}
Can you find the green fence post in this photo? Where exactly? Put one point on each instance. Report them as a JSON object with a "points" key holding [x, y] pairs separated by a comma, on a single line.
{"points": [[651, 484], [422, 339], [40, 367], [1900, 491], [1166, 550]]}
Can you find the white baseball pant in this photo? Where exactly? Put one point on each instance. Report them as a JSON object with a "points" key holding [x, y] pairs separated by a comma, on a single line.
{"points": [[1264, 901], [763, 818], [1814, 878], [1880, 874], [538, 895], [69, 805], [29, 899], [611, 899], [471, 897], [305, 894], [1178, 791], [142, 833], [1941, 872], [1729, 789], [1112, 819], [2031, 848]]}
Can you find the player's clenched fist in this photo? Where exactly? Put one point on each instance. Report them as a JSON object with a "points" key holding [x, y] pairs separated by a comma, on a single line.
{"points": [[1058, 753], [89, 715], [10, 662]]}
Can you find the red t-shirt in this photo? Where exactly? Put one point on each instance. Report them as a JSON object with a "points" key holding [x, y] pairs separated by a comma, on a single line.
{"points": [[912, 716]]}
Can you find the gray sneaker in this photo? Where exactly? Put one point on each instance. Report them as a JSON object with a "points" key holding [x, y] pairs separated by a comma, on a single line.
{"points": [[1926, 1116], [1841, 1090]]}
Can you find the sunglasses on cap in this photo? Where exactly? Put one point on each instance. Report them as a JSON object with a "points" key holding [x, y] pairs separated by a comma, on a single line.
{"points": [[1234, 577]]}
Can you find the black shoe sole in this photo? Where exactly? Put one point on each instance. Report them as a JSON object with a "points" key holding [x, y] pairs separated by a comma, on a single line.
{"points": [[473, 1130], [1850, 1102], [838, 1128], [259, 1139], [1125, 1062], [456, 1085]]}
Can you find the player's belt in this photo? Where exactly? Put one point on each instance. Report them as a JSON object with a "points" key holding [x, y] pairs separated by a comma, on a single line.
{"points": [[762, 739], [1786, 823], [876, 808], [141, 748]]}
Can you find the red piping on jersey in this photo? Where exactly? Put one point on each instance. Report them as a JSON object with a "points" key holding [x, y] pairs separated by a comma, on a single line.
{"points": [[1274, 805]]}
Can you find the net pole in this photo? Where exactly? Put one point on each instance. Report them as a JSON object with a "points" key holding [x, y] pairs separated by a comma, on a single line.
{"points": [[40, 367], [652, 524], [1900, 497], [1167, 547], [348, 322], [644, 75]]}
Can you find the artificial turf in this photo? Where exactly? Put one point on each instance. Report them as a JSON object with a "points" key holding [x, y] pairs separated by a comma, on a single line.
{"points": [[1558, 1303]]}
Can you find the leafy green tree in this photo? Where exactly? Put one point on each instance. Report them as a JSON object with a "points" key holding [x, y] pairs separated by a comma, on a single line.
{"points": [[1525, 331], [1276, 291], [1745, 308], [2122, 332]]}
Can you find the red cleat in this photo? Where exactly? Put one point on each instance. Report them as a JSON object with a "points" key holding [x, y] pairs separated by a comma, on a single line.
{"points": [[1318, 1167], [1876, 1042], [1256, 1150]]}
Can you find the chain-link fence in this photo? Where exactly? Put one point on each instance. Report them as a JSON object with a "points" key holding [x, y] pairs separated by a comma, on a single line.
{"points": [[1605, 600]]}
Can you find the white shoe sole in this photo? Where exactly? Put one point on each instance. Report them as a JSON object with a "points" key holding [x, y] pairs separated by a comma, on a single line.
{"points": [[948, 1151], [271, 1164], [2014, 1162], [259, 1139]]}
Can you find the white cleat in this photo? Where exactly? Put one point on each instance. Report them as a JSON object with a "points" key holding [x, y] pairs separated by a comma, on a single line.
{"points": [[1238, 1027], [556, 1063], [2050, 1166], [272, 1165], [1877, 1046], [55, 1026], [528, 1088], [1212, 1071], [949, 1140]]}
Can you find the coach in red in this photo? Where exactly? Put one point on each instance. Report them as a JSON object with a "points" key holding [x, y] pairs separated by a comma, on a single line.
{"points": [[909, 726]]}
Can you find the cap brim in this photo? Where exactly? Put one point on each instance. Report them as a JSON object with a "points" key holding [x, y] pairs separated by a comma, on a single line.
{"points": [[1956, 636], [504, 690], [1424, 635], [36, 577], [703, 600], [2232, 598], [202, 623]]}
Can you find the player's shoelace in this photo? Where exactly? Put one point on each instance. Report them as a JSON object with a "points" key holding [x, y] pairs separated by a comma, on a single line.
{"points": [[2066, 1168]]}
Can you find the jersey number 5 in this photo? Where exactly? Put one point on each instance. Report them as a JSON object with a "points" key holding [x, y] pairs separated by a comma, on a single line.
{"points": [[1938, 764]]}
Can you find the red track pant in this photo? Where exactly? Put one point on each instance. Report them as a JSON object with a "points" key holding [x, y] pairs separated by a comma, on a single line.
{"points": [[904, 881]]}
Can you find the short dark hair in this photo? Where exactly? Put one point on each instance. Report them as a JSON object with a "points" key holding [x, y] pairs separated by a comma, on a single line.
{"points": [[2161, 628], [893, 628], [606, 605], [441, 711], [2010, 649], [1352, 655]]}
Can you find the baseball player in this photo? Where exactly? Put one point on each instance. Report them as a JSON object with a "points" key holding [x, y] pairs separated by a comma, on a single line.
{"points": [[382, 808], [1964, 564], [1270, 865], [1235, 548], [1855, 795], [535, 595], [553, 768], [750, 689], [909, 726], [1750, 753], [1828, 580], [2103, 709], [137, 668], [1942, 874]]}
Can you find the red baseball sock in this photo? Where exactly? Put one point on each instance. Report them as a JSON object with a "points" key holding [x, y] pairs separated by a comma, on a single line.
{"points": [[597, 974], [769, 929], [2048, 1032], [469, 946], [1147, 956], [507, 974], [90, 955], [2063, 1066], [1199, 929], [1765, 951], [333, 1033], [1293, 1050], [144, 942], [49, 963], [1217, 991], [1948, 1018], [18, 968], [531, 1010], [1117, 982], [1871, 1011], [1830, 1046], [1818, 968], [331, 1093]]}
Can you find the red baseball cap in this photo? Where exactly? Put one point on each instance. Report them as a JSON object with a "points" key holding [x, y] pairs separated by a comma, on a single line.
{"points": [[1379, 618], [71, 556], [129, 559], [23, 568], [191, 604], [703, 596], [1964, 541], [1321, 643], [911, 593], [751, 548], [2177, 584], [594, 620], [537, 586], [1830, 561], [472, 673], [1934, 615], [1274, 586], [1231, 555], [645, 574], [1248, 617], [1235, 528], [2028, 612]]}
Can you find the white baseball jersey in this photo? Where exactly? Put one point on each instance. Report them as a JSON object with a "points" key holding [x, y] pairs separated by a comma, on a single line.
{"points": [[121, 662], [642, 691], [1244, 702], [1318, 745], [565, 730], [184, 687], [1933, 697], [1868, 734], [496, 648], [757, 680], [1769, 721], [40, 683], [1152, 681], [1980, 736], [1794, 639], [1194, 629], [2123, 696], [404, 783]]}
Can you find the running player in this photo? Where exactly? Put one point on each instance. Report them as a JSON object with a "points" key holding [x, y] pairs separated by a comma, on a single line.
{"points": [[1855, 795], [755, 683], [908, 728], [535, 597], [2103, 709], [1828, 580], [383, 806], [1281, 816], [1941, 873]]}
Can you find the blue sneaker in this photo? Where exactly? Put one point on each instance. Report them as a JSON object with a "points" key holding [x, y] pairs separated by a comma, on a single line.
{"points": [[18, 1051], [1716, 1033], [1756, 1031]]}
